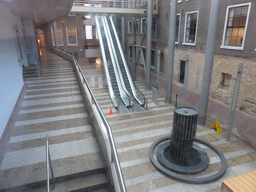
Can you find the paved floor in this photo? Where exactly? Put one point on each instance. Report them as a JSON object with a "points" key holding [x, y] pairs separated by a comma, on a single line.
{"points": [[134, 134], [50, 104]]}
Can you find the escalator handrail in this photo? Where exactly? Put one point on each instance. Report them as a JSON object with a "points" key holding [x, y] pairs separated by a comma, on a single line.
{"points": [[124, 96], [111, 92], [133, 87]]}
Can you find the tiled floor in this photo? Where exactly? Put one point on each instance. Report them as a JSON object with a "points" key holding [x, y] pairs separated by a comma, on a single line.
{"points": [[50, 104], [134, 133]]}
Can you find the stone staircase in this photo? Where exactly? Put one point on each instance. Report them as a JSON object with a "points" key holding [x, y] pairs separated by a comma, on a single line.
{"points": [[51, 104]]}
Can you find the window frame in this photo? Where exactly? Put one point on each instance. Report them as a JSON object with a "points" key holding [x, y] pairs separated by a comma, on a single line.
{"points": [[70, 44], [177, 42], [185, 28], [223, 46]]}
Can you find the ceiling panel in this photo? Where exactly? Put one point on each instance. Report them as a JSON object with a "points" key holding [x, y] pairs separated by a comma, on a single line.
{"points": [[39, 11]]}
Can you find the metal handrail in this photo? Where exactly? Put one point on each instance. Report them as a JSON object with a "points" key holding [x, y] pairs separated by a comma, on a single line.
{"points": [[49, 166], [114, 155], [133, 87], [122, 90]]}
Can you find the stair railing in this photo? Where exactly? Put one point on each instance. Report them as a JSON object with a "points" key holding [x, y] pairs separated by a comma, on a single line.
{"points": [[99, 114], [49, 167]]}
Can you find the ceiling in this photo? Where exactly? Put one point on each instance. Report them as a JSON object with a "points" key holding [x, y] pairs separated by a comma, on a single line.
{"points": [[39, 11]]}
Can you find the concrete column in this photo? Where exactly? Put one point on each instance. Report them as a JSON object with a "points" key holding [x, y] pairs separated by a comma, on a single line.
{"points": [[55, 33], [210, 48], [171, 48], [149, 41]]}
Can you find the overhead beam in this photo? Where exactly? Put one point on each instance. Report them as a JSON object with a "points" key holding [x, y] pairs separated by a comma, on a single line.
{"points": [[110, 10]]}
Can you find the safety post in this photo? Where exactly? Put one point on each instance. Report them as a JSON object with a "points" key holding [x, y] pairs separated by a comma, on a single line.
{"points": [[234, 101], [185, 82]]}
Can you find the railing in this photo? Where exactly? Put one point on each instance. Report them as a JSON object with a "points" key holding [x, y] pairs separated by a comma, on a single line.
{"points": [[135, 4], [104, 123], [49, 167]]}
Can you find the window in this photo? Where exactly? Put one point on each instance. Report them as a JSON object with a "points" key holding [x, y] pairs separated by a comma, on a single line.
{"points": [[130, 51], [190, 28], [53, 39], [143, 53], [152, 59], [154, 25], [182, 71], [88, 32], [177, 29], [137, 26], [130, 26], [59, 35], [143, 25], [72, 36], [237, 17]]}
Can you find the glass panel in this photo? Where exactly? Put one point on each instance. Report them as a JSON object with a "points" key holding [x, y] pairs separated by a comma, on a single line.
{"points": [[59, 34], [244, 10], [231, 12]]}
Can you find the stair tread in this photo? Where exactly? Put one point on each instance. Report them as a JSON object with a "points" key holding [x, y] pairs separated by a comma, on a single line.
{"points": [[78, 183]]}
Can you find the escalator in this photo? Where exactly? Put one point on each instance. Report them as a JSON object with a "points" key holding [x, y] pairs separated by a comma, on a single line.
{"points": [[122, 65], [117, 92]]}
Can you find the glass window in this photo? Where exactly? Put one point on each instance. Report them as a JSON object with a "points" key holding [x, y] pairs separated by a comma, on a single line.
{"points": [[143, 25], [143, 54], [129, 27], [235, 25], [88, 32], [59, 35], [191, 28], [154, 27], [177, 29], [72, 36], [130, 52], [153, 59]]}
